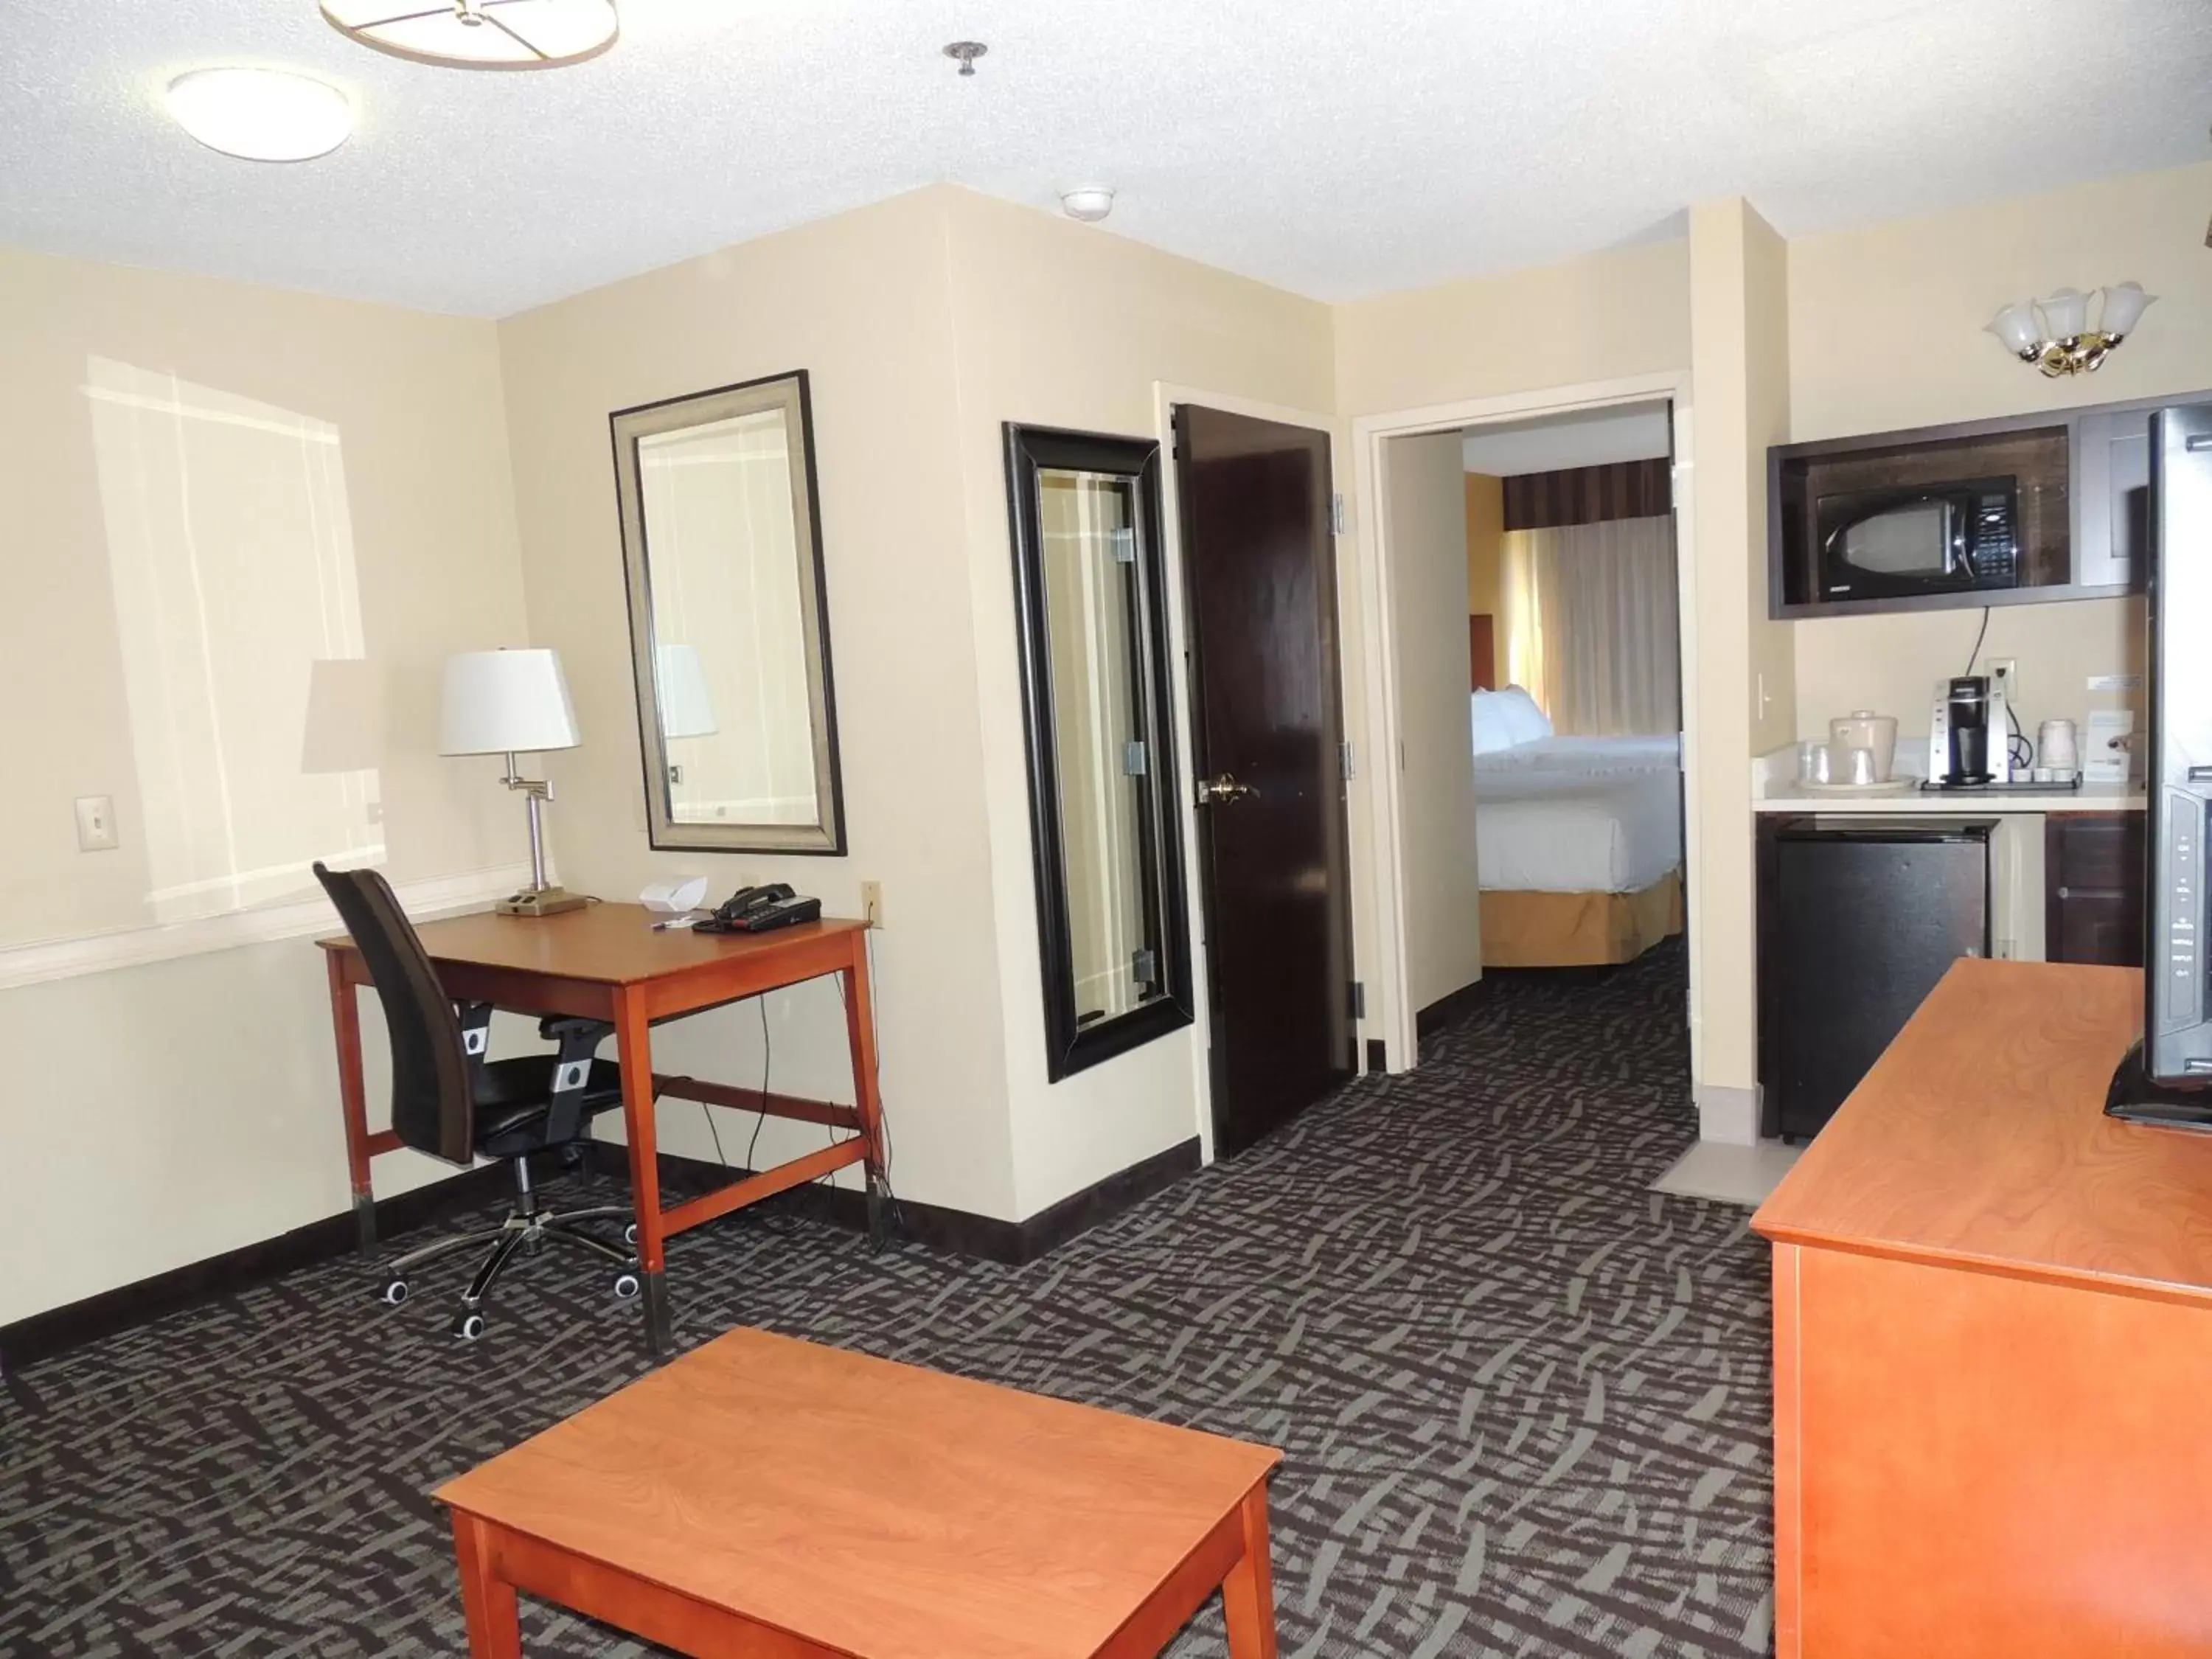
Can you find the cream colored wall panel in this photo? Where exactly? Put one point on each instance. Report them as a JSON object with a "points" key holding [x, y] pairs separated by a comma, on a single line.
{"points": [[1934, 283], [1426, 496], [1605, 317], [1744, 685], [195, 1096], [1061, 325], [862, 303]]}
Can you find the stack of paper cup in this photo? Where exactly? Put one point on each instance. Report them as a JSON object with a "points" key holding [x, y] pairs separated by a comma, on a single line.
{"points": [[2055, 746]]}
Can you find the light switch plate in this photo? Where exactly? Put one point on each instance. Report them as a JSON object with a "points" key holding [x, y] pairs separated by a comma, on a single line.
{"points": [[872, 902], [95, 823]]}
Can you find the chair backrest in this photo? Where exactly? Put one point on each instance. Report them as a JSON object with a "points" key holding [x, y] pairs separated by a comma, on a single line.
{"points": [[433, 1107]]}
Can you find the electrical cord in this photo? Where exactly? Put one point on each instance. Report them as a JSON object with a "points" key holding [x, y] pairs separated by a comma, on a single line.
{"points": [[1974, 656]]}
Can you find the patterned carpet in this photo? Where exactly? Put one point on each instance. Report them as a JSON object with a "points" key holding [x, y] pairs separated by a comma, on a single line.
{"points": [[1525, 1400]]}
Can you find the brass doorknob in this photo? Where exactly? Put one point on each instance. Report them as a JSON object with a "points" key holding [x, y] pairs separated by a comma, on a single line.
{"points": [[1223, 788]]}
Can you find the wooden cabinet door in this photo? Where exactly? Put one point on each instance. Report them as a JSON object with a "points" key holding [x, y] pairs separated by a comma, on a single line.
{"points": [[2094, 882]]}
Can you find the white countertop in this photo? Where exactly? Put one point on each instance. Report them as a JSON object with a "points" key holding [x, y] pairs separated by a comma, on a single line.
{"points": [[1774, 789]]}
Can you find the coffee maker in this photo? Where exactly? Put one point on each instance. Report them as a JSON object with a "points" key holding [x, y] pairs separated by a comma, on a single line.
{"points": [[1970, 738]]}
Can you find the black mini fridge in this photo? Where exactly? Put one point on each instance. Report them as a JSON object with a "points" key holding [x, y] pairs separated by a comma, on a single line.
{"points": [[1858, 919]]}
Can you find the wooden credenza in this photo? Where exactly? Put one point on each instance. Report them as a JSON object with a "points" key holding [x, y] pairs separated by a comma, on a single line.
{"points": [[1993, 1344]]}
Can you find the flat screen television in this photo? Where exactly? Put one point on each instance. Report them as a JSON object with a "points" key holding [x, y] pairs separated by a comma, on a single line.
{"points": [[2167, 1076]]}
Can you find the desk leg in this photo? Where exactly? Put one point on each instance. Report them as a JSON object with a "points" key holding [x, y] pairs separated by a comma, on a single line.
{"points": [[353, 1098], [487, 1600], [633, 1050], [860, 1031], [1247, 1595]]}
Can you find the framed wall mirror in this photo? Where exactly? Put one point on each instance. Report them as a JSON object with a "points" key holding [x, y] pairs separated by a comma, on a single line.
{"points": [[1091, 603], [728, 624]]}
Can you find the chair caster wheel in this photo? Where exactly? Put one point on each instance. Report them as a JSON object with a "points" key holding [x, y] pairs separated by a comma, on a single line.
{"points": [[626, 1286], [468, 1327], [629, 1234], [393, 1293]]}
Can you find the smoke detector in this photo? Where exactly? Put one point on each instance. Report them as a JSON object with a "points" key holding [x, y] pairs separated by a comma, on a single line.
{"points": [[1089, 203]]}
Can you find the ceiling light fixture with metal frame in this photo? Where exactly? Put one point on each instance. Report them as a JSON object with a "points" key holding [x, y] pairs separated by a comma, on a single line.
{"points": [[488, 34]]}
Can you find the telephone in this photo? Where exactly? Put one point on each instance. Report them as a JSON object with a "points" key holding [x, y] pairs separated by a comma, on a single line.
{"points": [[759, 909]]}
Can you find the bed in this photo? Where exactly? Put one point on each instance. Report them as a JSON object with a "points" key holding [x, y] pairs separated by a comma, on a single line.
{"points": [[1578, 842]]}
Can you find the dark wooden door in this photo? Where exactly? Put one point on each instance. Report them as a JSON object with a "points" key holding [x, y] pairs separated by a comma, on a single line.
{"points": [[1266, 734], [2093, 868]]}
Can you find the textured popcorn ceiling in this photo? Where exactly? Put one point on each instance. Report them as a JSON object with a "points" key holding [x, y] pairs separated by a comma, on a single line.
{"points": [[1335, 147]]}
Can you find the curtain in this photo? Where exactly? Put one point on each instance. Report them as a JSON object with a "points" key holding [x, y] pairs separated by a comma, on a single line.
{"points": [[1591, 625]]}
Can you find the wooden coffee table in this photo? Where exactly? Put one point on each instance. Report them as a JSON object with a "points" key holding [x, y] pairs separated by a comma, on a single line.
{"points": [[770, 1497]]}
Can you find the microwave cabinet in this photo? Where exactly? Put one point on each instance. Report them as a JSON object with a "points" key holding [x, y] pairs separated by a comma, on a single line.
{"points": [[1888, 521]]}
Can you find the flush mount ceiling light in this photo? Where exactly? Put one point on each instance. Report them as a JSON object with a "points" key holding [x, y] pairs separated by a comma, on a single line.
{"points": [[261, 114], [1089, 203], [512, 35], [2054, 333]]}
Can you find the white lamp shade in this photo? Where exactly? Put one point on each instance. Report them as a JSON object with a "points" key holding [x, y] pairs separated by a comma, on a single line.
{"points": [[502, 702], [2123, 306], [686, 710], [2065, 313], [2016, 326], [480, 33], [344, 728]]}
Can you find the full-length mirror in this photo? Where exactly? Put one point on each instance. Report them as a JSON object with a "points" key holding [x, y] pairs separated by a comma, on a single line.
{"points": [[728, 627], [1093, 616]]}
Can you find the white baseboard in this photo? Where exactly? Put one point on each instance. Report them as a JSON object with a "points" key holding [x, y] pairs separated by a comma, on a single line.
{"points": [[131, 947], [1726, 1114]]}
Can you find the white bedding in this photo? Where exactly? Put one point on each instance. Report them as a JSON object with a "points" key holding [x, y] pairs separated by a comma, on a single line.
{"points": [[1592, 757], [1555, 830]]}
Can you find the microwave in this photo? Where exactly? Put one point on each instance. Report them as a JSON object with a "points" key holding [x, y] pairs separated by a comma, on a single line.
{"points": [[1937, 538]]}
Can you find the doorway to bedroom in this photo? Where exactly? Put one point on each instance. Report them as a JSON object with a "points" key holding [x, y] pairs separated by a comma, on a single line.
{"points": [[1533, 575]]}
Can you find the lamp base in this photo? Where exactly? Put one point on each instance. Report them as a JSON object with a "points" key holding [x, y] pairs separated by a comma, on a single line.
{"points": [[541, 902]]}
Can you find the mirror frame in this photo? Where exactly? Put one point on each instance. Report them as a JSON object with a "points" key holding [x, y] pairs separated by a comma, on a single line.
{"points": [[790, 393], [1070, 1048]]}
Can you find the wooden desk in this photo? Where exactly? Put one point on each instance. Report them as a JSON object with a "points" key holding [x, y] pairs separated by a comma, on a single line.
{"points": [[606, 962], [1992, 1343], [766, 1497]]}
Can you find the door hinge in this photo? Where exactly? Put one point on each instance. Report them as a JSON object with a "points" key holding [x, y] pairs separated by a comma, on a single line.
{"points": [[1345, 764], [1133, 763], [1145, 967], [1125, 547], [1359, 1000], [1337, 519]]}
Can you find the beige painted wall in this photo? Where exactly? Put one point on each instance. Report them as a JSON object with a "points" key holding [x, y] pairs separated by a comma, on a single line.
{"points": [[1934, 281], [1739, 685], [197, 1097], [862, 302], [1606, 316], [1426, 494], [1486, 544], [1063, 325]]}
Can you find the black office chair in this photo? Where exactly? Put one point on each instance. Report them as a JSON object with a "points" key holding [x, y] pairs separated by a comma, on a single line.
{"points": [[449, 1101]]}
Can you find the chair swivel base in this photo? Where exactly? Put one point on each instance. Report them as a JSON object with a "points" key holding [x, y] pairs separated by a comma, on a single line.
{"points": [[521, 1233]]}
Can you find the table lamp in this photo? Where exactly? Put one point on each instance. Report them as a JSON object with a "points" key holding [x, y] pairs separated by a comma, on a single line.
{"points": [[506, 702], [686, 710]]}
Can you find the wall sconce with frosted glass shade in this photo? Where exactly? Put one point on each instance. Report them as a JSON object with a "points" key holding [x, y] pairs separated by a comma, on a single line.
{"points": [[2054, 333], [511, 703]]}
